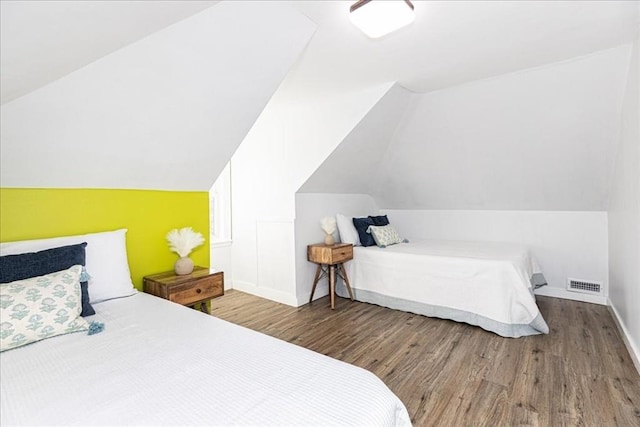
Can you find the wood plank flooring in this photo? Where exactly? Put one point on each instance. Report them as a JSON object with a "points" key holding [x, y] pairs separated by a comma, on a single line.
{"points": [[453, 374]]}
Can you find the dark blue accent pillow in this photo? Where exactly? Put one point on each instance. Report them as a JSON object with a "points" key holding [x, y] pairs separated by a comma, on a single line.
{"points": [[380, 220], [34, 264], [362, 224]]}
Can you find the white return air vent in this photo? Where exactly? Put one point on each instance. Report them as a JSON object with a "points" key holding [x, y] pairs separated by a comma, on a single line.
{"points": [[584, 286]]}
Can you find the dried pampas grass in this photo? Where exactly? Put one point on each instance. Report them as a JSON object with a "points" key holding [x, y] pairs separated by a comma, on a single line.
{"points": [[183, 241], [328, 224]]}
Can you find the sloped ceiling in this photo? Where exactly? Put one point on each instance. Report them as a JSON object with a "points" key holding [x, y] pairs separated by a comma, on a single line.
{"points": [[165, 112], [516, 104], [42, 41], [541, 139], [453, 42], [353, 165], [450, 42]]}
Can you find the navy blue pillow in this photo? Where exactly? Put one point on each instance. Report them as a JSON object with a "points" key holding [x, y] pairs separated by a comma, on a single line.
{"points": [[34, 264], [380, 220], [362, 224]]}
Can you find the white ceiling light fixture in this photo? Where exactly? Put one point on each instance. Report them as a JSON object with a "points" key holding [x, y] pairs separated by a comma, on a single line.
{"points": [[377, 18]]}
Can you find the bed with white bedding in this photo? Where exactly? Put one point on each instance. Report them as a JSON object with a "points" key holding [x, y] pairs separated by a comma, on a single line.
{"points": [[159, 363], [481, 283], [80, 346]]}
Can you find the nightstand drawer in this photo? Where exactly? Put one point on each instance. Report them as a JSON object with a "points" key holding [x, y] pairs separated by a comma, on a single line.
{"points": [[190, 289], [198, 290], [330, 254], [342, 253]]}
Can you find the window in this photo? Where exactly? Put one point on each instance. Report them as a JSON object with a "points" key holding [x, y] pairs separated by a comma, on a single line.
{"points": [[220, 207]]}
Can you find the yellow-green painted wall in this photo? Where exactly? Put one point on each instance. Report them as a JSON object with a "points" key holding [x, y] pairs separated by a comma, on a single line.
{"points": [[148, 215]]}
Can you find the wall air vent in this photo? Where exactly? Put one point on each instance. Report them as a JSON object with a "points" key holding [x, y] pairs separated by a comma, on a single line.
{"points": [[584, 286]]}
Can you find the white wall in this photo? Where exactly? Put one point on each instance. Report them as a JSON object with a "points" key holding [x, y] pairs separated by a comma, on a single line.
{"points": [[292, 137], [166, 112], [310, 208], [565, 244], [624, 215]]}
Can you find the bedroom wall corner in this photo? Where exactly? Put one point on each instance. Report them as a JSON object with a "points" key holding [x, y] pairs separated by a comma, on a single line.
{"points": [[292, 137], [310, 208], [148, 215]]}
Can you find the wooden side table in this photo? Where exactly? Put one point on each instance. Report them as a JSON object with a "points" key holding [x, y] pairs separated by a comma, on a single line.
{"points": [[330, 260], [196, 288]]}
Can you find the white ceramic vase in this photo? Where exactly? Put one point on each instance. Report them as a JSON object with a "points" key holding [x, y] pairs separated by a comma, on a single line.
{"points": [[183, 266], [329, 240]]}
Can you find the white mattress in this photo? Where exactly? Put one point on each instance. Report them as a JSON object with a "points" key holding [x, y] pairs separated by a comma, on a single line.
{"points": [[158, 363], [481, 283]]}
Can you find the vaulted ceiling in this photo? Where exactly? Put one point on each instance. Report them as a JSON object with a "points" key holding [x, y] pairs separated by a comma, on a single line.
{"points": [[159, 94], [449, 43]]}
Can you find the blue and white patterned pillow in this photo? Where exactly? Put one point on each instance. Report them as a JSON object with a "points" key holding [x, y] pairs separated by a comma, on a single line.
{"points": [[385, 235], [41, 307], [31, 264]]}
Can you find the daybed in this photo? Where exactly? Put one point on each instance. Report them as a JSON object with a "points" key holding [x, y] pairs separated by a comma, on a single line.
{"points": [[486, 284]]}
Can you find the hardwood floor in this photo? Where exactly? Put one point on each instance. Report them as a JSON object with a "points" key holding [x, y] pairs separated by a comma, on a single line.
{"points": [[453, 374]]}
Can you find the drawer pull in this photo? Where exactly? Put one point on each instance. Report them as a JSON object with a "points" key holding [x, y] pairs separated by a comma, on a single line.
{"points": [[198, 290]]}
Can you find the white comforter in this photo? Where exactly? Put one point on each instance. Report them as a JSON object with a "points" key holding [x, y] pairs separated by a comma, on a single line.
{"points": [[158, 363], [484, 284]]}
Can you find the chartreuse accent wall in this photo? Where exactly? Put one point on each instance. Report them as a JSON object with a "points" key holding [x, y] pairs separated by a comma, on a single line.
{"points": [[147, 214]]}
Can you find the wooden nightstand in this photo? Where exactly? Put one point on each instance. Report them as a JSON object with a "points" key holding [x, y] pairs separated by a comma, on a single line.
{"points": [[196, 288], [330, 259]]}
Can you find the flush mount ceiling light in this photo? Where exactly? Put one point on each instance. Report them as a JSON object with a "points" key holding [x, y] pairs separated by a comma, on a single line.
{"points": [[379, 17]]}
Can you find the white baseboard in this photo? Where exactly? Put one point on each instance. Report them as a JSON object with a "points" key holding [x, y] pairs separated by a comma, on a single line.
{"points": [[549, 291], [272, 294], [626, 337]]}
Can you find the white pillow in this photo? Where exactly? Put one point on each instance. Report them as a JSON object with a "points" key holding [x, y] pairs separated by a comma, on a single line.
{"points": [[41, 307], [106, 259], [348, 232]]}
